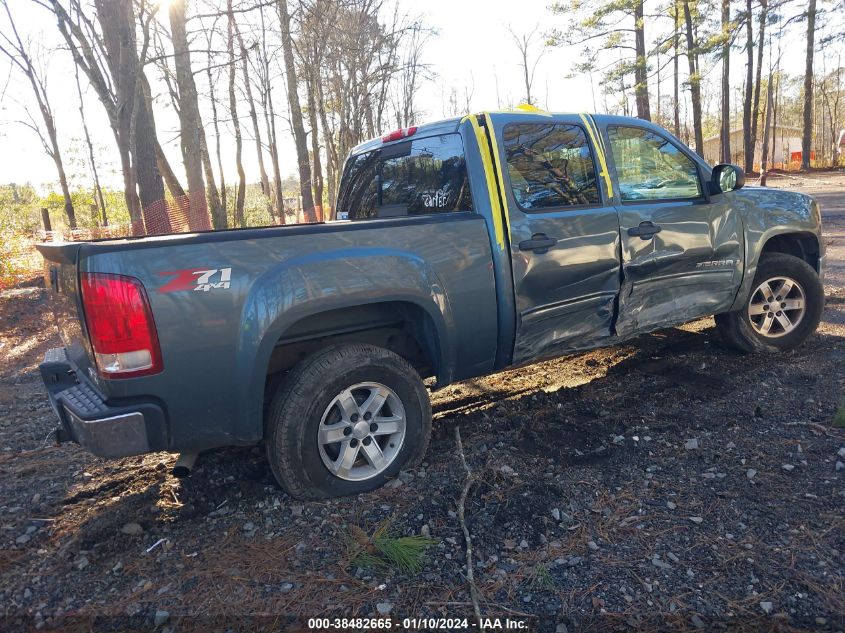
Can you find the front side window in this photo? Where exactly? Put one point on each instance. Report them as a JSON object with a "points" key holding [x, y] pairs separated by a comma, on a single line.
{"points": [[419, 177], [550, 166], [650, 167]]}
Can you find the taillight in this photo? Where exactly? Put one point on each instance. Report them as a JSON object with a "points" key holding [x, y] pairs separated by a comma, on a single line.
{"points": [[395, 135], [120, 326]]}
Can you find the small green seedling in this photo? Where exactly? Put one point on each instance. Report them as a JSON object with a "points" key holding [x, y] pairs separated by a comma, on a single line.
{"points": [[384, 549], [541, 578]]}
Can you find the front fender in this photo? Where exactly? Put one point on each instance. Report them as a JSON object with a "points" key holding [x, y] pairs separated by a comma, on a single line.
{"points": [[767, 213], [307, 285]]}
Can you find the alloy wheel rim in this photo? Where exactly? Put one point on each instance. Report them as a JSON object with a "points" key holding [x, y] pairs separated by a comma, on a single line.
{"points": [[776, 307], [361, 431]]}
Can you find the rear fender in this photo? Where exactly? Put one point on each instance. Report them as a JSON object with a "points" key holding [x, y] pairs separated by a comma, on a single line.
{"points": [[301, 287]]}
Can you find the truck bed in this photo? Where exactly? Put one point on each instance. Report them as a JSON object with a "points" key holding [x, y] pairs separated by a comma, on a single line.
{"points": [[220, 331]]}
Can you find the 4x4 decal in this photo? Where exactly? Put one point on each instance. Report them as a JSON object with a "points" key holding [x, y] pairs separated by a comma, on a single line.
{"points": [[204, 279]]}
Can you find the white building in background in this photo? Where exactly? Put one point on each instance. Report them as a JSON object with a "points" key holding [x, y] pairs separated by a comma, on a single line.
{"points": [[784, 139]]}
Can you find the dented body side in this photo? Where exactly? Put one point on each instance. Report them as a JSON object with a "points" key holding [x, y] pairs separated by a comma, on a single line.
{"points": [[772, 213], [690, 269]]}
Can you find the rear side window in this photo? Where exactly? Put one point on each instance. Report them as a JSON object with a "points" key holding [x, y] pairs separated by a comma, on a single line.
{"points": [[550, 166], [419, 177]]}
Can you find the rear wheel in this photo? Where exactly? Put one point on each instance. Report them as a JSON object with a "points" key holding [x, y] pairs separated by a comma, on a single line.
{"points": [[783, 309], [345, 421]]}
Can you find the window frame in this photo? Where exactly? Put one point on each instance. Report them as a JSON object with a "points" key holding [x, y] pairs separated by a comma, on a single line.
{"points": [[560, 208], [702, 197]]}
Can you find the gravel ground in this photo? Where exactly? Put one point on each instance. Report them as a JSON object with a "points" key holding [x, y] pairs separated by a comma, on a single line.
{"points": [[667, 484]]}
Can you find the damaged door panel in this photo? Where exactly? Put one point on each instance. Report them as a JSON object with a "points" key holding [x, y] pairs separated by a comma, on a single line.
{"points": [[681, 249], [564, 236]]}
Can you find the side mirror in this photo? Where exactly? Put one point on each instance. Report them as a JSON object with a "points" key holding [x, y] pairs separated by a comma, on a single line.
{"points": [[727, 177]]}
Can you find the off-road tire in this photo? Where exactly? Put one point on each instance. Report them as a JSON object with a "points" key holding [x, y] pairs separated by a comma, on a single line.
{"points": [[301, 400], [736, 328]]}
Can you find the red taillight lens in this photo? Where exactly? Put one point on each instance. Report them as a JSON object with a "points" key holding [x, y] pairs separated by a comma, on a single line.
{"points": [[395, 135], [120, 326]]}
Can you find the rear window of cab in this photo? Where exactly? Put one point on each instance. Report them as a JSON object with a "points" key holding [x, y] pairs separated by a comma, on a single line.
{"points": [[416, 177]]}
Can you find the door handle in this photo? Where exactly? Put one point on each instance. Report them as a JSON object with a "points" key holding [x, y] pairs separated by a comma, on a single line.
{"points": [[539, 243], [646, 230]]}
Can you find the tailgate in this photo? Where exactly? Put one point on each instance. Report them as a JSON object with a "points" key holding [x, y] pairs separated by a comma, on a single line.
{"points": [[61, 278]]}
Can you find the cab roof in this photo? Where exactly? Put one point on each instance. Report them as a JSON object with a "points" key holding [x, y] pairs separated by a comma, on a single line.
{"points": [[449, 126]]}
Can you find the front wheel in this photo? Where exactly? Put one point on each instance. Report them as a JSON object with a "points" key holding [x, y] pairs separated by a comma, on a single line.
{"points": [[345, 421], [783, 309]]}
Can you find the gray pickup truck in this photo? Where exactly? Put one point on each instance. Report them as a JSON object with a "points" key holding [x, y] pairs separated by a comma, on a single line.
{"points": [[460, 248]]}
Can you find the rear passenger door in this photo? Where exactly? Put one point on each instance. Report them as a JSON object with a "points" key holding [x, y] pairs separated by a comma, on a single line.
{"points": [[564, 234]]}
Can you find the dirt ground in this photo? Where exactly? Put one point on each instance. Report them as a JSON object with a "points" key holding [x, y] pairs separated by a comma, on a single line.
{"points": [[667, 484]]}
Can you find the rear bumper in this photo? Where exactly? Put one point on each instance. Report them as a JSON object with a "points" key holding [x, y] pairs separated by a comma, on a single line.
{"points": [[107, 430]]}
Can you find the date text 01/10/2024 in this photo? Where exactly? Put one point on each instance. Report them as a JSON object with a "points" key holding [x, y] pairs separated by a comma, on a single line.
{"points": [[417, 624]]}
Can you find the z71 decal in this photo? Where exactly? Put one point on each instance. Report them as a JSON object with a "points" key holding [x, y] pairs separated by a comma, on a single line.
{"points": [[204, 280]]}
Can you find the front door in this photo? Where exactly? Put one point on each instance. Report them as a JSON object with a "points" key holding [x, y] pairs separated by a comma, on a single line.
{"points": [[681, 248], [564, 234]]}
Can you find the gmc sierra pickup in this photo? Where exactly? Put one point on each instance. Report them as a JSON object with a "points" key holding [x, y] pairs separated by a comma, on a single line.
{"points": [[460, 248]]}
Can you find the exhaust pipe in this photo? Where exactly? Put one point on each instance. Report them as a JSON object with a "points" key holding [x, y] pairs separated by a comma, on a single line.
{"points": [[184, 465]]}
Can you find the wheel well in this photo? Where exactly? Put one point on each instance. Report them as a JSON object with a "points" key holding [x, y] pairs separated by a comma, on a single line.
{"points": [[402, 327], [802, 245]]}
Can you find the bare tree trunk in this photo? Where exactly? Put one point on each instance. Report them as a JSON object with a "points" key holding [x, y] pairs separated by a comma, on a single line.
{"points": [[676, 109], [526, 76], [150, 183], [164, 168], [60, 168], [218, 216], [216, 205], [274, 158], [755, 119], [807, 134], [764, 158], [233, 107], [640, 66], [270, 124], [147, 156], [694, 81], [98, 191], [315, 148], [331, 147], [167, 173], [775, 91], [833, 114], [747, 145], [265, 182], [130, 193], [189, 119], [218, 213], [329, 209], [725, 134], [118, 29], [299, 136]]}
